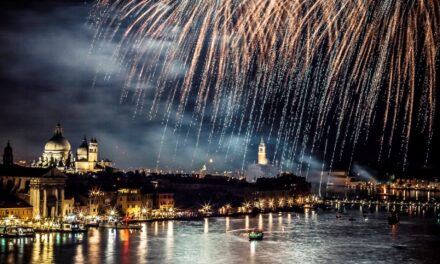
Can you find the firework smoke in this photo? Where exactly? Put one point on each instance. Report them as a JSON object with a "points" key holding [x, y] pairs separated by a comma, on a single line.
{"points": [[307, 69]]}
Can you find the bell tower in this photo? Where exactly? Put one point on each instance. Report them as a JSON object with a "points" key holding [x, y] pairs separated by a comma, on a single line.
{"points": [[93, 150], [262, 160], [8, 157]]}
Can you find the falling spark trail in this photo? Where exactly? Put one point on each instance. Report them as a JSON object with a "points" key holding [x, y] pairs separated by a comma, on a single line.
{"points": [[294, 67]]}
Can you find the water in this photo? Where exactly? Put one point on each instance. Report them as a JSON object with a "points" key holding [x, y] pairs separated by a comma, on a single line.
{"points": [[289, 238]]}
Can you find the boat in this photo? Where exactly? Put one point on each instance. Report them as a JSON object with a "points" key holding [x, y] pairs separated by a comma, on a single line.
{"points": [[120, 225], [256, 235], [17, 231], [343, 211], [309, 206], [55, 227], [393, 218], [134, 226], [78, 227], [400, 246], [66, 227], [10, 232], [26, 232], [108, 224], [92, 223]]}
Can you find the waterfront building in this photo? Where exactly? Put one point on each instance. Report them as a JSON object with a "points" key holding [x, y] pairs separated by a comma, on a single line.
{"points": [[263, 168], [97, 202], [278, 193], [69, 206], [43, 188], [129, 201], [58, 153], [164, 201], [47, 194], [13, 207]]}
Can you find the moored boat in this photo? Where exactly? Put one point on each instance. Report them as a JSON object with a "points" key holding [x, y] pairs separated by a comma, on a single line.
{"points": [[17, 231], [10, 232], [26, 232], [66, 227], [73, 227], [92, 223], [108, 224], [78, 227], [55, 227], [134, 226]]}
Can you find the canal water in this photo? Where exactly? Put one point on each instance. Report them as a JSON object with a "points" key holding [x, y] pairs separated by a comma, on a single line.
{"points": [[289, 238]]}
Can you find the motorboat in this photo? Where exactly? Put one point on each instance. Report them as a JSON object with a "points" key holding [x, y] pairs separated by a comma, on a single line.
{"points": [[256, 234], [393, 218]]}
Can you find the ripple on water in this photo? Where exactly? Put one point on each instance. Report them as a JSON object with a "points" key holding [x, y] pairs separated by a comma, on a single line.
{"points": [[313, 238]]}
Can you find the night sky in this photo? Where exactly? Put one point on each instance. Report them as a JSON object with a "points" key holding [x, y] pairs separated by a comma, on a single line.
{"points": [[47, 73]]}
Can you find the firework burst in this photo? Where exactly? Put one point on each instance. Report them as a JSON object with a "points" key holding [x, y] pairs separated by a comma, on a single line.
{"points": [[307, 69]]}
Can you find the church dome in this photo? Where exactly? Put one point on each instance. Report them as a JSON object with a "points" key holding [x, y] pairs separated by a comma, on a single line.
{"points": [[58, 143], [82, 150]]}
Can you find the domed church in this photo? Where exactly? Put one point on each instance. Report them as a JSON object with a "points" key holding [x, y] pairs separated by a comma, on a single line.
{"points": [[58, 147], [57, 153]]}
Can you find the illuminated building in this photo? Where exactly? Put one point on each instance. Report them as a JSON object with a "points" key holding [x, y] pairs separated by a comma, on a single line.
{"points": [[43, 188], [165, 201], [262, 168], [87, 157], [132, 202], [68, 206], [57, 153], [262, 159], [14, 207]]}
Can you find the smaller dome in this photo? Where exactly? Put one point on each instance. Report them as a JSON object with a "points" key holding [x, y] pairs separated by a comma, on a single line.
{"points": [[82, 150]]}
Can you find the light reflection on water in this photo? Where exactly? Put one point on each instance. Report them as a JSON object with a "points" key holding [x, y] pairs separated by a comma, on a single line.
{"points": [[302, 238]]}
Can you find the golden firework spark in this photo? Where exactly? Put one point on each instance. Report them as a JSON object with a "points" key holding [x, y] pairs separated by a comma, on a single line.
{"points": [[307, 68]]}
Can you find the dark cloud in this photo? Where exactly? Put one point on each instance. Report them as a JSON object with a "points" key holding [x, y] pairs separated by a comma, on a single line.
{"points": [[48, 75]]}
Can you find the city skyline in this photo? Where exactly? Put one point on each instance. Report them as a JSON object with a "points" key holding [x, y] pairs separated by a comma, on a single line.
{"points": [[219, 131], [49, 75]]}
